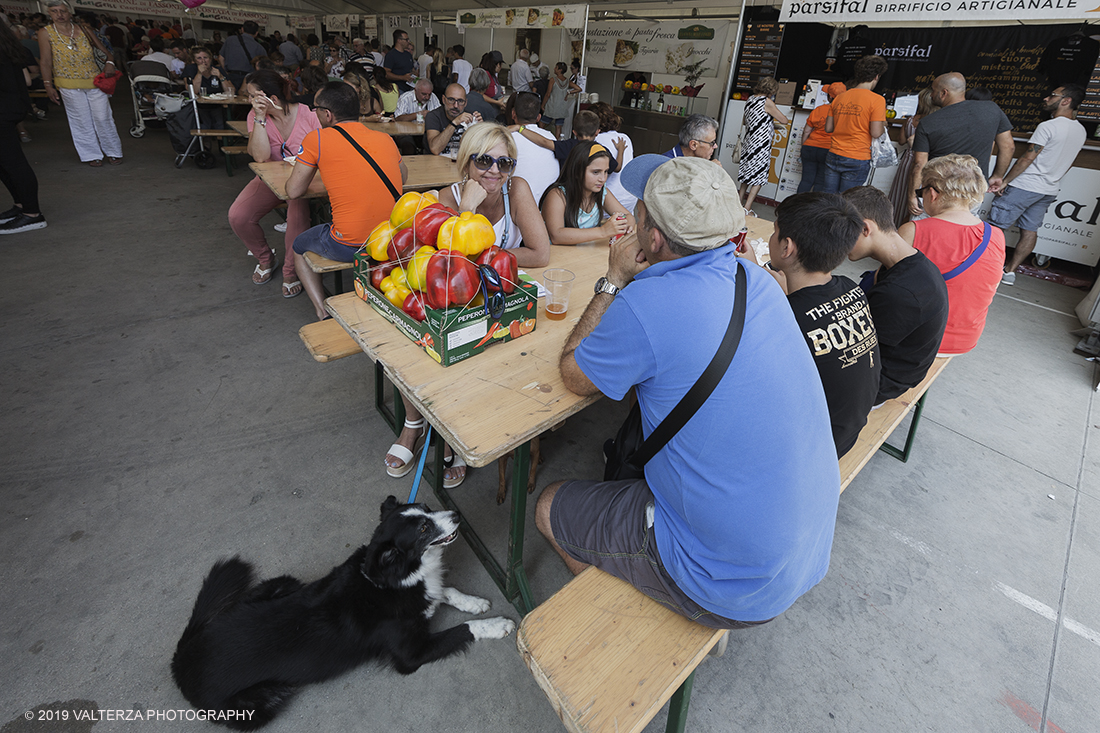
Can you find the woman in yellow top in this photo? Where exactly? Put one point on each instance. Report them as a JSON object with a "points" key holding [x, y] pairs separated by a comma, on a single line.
{"points": [[387, 91], [68, 69]]}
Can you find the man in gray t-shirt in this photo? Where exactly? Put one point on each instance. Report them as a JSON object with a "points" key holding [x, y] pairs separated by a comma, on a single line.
{"points": [[963, 127]]}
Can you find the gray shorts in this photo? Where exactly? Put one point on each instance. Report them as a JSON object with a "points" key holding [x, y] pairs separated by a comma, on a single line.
{"points": [[609, 524], [1025, 209]]}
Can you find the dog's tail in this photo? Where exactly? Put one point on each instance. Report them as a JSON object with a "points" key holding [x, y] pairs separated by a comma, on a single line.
{"points": [[224, 586]]}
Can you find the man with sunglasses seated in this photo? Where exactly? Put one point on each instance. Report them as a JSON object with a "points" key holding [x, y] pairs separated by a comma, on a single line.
{"points": [[733, 519], [444, 126], [698, 138], [360, 197]]}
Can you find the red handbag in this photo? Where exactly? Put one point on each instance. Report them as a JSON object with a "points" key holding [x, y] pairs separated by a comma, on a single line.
{"points": [[106, 83]]}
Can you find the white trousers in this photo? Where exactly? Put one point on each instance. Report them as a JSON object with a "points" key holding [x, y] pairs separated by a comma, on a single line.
{"points": [[91, 124]]}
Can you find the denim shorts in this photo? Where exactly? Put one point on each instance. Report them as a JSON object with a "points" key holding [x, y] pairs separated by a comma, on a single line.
{"points": [[1025, 209], [557, 122], [609, 524], [319, 239]]}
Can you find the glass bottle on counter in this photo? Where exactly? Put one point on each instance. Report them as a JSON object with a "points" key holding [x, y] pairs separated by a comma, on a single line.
{"points": [[661, 102]]}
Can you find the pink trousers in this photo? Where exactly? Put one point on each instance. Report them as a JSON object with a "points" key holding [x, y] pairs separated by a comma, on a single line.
{"points": [[254, 202]]}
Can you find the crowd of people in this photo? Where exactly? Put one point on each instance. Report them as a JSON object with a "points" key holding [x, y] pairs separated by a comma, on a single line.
{"points": [[815, 352]]}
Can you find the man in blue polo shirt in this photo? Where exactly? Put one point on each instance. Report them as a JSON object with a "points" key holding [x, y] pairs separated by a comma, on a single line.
{"points": [[734, 518]]}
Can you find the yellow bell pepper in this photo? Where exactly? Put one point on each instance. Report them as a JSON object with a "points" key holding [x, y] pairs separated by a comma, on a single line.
{"points": [[416, 274], [399, 278], [401, 216], [379, 240], [397, 295], [467, 233]]}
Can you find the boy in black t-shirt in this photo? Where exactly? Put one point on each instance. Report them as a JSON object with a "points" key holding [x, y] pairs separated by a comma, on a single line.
{"points": [[908, 295], [813, 234]]}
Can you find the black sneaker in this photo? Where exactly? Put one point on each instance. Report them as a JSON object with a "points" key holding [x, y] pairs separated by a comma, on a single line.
{"points": [[23, 223], [13, 213]]}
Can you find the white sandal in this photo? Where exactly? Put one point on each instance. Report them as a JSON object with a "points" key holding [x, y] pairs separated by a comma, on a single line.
{"points": [[455, 461], [265, 273], [402, 453]]}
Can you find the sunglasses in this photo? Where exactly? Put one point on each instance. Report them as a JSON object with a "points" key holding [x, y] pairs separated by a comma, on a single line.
{"points": [[485, 161], [922, 189], [493, 292]]}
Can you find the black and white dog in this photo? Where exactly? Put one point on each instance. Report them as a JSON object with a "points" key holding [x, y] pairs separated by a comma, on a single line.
{"points": [[248, 647]]}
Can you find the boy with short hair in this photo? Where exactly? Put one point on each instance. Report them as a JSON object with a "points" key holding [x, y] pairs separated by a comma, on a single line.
{"points": [[813, 234], [907, 293], [586, 125]]}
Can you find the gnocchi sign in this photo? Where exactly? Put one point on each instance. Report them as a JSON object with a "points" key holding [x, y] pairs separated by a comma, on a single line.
{"points": [[664, 48], [870, 11]]}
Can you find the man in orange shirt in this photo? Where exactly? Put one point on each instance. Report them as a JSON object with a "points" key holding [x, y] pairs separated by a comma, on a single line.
{"points": [[361, 194], [858, 116], [816, 142]]}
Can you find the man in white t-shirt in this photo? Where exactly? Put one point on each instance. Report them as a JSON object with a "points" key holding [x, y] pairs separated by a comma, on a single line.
{"points": [[519, 76], [461, 68], [536, 165], [424, 62], [1037, 174]]}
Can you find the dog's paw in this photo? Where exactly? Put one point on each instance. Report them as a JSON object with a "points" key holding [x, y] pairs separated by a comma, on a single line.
{"points": [[491, 628], [465, 603]]}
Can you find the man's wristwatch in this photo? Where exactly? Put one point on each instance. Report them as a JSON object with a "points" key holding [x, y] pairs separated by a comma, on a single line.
{"points": [[603, 285]]}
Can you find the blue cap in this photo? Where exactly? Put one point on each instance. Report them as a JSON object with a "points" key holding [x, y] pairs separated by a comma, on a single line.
{"points": [[636, 173]]}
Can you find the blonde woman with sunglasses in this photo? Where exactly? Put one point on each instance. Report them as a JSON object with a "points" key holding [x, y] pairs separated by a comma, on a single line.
{"points": [[487, 158]]}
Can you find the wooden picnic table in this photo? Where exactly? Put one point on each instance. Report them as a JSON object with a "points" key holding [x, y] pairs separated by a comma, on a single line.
{"points": [[238, 126], [509, 396], [225, 101], [425, 172], [395, 129]]}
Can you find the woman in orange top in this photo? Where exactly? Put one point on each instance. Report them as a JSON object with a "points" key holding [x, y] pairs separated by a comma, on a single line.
{"points": [[816, 142], [858, 116], [969, 252]]}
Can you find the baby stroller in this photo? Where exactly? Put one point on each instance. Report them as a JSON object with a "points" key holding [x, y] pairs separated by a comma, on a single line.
{"points": [[180, 124], [147, 80]]}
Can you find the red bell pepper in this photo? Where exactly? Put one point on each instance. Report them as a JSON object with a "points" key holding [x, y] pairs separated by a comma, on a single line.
{"points": [[504, 262], [414, 306], [452, 279], [379, 271], [402, 246], [427, 221]]}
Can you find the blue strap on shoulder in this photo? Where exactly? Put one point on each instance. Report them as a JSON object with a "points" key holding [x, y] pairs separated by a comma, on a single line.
{"points": [[973, 255]]}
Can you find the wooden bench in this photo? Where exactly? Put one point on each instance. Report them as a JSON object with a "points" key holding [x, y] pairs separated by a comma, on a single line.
{"points": [[608, 657], [327, 340], [321, 265]]}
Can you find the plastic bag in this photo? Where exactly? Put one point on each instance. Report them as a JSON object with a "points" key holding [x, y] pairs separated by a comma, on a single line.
{"points": [[883, 153], [167, 104]]}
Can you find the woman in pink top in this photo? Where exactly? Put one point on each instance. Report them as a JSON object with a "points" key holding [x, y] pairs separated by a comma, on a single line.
{"points": [[969, 252], [276, 127]]}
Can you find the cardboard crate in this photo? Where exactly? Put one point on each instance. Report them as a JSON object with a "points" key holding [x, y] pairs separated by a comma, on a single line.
{"points": [[453, 334]]}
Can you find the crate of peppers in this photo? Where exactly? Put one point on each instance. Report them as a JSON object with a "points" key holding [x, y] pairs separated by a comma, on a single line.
{"points": [[439, 277]]}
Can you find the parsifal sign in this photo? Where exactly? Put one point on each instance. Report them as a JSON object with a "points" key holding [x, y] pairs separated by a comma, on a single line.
{"points": [[870, 11]]}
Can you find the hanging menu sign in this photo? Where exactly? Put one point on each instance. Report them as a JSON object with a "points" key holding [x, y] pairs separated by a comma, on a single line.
{"points": [[1089, 109], [759, 53]]}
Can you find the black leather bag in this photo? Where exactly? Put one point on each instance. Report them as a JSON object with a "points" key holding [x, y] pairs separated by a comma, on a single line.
{"points": [[628, 452]]}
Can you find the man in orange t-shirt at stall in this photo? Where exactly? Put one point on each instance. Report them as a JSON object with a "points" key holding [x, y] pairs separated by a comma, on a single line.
{"points": [[360, 198], [858, 116], [816, 142]]}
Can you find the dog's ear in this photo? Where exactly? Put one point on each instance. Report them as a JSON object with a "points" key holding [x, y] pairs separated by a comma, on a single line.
{"points": [[388, 506], [385, 565]]}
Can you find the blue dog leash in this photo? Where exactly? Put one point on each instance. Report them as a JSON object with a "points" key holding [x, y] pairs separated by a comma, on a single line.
{"points": [[420, 464]]}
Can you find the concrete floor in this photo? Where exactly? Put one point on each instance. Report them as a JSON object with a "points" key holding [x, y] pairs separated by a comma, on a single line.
{"points": [[160, 412]]}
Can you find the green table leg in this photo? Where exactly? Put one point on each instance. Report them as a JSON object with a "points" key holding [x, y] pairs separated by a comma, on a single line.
{"points": [[678, 706], [902, 454]]}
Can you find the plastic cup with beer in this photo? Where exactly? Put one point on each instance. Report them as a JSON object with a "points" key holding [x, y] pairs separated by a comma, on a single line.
{"points": [[559, 283]]}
